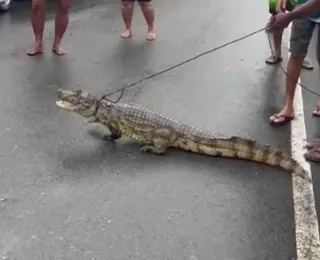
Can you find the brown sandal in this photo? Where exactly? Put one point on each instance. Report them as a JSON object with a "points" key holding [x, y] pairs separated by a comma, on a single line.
{"points": [[312, 145], [273, 60], [274, 119], [316, 112], [313, 154]]}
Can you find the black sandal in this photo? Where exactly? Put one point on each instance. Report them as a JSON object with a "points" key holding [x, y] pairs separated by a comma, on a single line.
{"points": [[273, 60], [285, 120], [307, 64]]}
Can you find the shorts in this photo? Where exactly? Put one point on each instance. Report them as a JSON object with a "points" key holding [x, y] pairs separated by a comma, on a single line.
{"points": [[301, 34], [291, 4]]}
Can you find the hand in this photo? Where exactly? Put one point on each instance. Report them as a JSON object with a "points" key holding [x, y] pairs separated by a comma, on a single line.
{"points": [[281, 6], [279, 22]]}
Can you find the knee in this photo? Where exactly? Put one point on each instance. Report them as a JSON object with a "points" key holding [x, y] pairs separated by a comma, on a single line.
{"points": [[145, 5], [37, 6], [127, 5], [63, 5], [299, 57]]}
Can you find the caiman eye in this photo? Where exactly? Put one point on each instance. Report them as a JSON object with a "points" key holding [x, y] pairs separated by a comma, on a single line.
{"points": [[86, 104], [78, 92], [109, 104]]}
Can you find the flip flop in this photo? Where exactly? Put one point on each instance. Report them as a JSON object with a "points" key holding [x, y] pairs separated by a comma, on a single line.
{"points": [[34, 51], [59, 52], [312, 145], [313, 155], [316, 112], [273, 60], [285, 120], [307, 65], [126, 35], [151, 36]]}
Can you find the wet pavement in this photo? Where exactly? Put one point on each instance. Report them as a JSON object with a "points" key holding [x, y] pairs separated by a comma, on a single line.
{"points": [[310, 80], [69, 195]]}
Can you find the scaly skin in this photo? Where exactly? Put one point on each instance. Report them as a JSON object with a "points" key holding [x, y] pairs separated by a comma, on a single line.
{"points": [[158, 132]]}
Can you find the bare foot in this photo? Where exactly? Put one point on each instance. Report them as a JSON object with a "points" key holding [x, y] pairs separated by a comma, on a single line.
{"points": [[58, 50], [126, 34], [35, 50], [151, 36]]}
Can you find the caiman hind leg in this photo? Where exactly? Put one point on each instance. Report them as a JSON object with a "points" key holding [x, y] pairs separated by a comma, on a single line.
{"points": [[160, 141], [158, 147], [114, 132]]}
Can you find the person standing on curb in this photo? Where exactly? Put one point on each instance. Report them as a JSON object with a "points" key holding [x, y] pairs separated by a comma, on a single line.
{"points": [[277, 6], [148, 12], [38, 21], [310, 9], [301, 34]]}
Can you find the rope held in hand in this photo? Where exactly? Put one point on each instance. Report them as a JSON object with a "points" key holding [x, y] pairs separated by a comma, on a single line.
{"points": [[197, 57]]}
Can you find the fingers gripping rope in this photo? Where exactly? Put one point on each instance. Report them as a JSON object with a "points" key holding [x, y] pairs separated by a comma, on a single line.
{"points": [[200, 55]]}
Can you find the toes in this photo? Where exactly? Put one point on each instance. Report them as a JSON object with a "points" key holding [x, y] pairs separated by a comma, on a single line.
{"points": [[34, 51], [59, 52], [126, 35], [151, 36]]}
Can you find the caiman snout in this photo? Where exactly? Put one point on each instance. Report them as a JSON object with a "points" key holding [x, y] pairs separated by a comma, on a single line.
{"points": [[59, 92]]}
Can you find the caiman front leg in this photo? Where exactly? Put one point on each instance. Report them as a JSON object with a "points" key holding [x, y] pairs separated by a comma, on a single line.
{"points": [[92, 120], [114, 132]]}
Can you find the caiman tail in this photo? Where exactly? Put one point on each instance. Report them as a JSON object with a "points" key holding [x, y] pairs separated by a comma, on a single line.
{"points": [[242, 148]]}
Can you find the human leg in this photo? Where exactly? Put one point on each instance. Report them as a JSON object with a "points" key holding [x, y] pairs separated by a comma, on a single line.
{"points": [[37, 20], [127, 12], [276, 57], [61, 23], [148, 12], [313, 148], [316, 112], [301, 34]]}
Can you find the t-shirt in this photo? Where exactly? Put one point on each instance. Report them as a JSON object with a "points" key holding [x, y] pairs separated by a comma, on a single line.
{"points": [[313, 16]]}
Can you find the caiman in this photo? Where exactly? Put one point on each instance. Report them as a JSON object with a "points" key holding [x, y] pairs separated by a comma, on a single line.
{"points": [[157, 132]]}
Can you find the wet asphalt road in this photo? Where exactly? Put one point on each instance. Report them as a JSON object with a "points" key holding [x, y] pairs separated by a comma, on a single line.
{"points": [[70, 195]]}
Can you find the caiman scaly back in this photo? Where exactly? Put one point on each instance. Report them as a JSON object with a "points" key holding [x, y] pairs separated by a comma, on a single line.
{"points": [[158, 132]]}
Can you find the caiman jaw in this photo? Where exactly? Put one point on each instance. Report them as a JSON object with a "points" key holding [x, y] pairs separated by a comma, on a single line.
{"points": [[66, 100], [77, 101], [65, 105]]}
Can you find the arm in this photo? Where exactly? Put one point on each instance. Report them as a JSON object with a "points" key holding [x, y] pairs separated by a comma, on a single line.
{"points": [[282, 20], [281, 6], [308, 7]]}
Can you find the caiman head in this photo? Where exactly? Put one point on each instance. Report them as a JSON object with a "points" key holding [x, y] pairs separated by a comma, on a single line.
{"points": [[77, 101]]}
